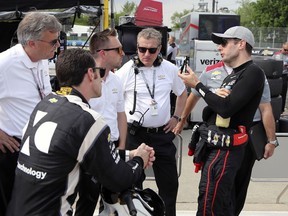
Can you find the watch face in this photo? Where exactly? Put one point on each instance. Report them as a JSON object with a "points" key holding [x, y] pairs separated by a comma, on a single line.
{"points": [[177, 118], [274, 142]]}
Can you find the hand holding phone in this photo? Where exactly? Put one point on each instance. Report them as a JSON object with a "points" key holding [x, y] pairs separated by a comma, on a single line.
{"points": [[184, 65]]}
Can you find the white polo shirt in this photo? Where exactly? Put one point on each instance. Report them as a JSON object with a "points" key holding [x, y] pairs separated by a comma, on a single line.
{"points": [[166, 79], [110, 103], [19, 94]]}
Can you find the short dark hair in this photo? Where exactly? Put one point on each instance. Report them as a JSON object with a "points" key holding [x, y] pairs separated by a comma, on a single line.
{"points": [[72, 65], [99, 40], [249, 48]]}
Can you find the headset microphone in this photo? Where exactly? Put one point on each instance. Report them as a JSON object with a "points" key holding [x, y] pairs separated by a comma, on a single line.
{"points": [[131, 112], [136, 71]]}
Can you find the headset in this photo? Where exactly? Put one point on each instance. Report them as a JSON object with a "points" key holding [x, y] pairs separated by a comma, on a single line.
{"points": [[138, 63]]}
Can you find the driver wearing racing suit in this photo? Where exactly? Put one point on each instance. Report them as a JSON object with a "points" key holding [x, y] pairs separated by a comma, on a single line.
{"points": [[64, 134], [222, 160]]}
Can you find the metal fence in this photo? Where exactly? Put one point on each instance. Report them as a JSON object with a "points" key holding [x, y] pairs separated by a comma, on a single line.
{"points": [[265, 37], [270, 36]]}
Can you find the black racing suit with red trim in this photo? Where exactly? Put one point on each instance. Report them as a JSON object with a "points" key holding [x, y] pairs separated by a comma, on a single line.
{"points": [[64, 134], [221, 164]]}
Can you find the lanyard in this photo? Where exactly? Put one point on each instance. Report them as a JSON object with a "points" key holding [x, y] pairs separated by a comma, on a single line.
{"points": [[39, 84], [145, 80]]}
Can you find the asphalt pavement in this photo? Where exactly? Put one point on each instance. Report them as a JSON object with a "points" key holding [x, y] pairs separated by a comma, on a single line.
{"points": [[264, 198]]}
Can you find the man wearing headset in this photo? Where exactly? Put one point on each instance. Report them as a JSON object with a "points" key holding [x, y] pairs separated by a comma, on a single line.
{"points": [[147, 82]]}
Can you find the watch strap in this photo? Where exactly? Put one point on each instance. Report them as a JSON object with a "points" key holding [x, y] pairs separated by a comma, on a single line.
{"points": [[177, 118]]}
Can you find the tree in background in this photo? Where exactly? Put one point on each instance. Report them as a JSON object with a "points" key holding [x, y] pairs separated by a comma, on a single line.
{"points": [[175, 19], [263, 13], [271, 13], [267, 19], [246, 12], [128, 9]]}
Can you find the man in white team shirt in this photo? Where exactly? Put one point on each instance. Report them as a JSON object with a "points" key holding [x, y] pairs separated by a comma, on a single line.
{"points": [[107, 52], [24, 81]]}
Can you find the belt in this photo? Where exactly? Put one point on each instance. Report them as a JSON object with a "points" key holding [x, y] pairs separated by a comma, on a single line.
{"points": [[152, 129], [149, 129]]}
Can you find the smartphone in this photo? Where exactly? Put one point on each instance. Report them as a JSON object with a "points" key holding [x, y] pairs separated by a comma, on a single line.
{"points": [[184, 65]]}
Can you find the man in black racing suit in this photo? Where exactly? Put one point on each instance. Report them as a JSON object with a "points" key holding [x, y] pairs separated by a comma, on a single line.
{"points": [[236, 104], [64, 134]]}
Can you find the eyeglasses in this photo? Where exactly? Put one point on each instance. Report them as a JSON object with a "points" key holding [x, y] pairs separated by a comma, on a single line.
{"points": [[225, 41], [100, 70], [118, 49], [52, 43], [285, 50], [144, 50]]}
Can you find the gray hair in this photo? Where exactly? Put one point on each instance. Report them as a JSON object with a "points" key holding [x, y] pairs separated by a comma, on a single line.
{"points": [[34, 24], [150, 33]]}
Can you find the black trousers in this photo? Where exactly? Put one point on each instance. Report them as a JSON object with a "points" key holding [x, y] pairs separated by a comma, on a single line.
{"points": [[164, 167], [8, 162], [89, 191], [216, 184], [242, 179]]}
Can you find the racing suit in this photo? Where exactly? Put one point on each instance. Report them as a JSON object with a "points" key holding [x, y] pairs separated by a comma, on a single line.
{"points": [[221, 164], [62, 135]]}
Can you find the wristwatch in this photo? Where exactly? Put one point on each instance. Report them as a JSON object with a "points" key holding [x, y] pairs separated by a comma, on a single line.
{"points": [[274, 142], [177, 118]]}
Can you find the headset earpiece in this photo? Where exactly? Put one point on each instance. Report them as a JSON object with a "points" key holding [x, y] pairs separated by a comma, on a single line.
{"points": [[156, 63], [137, 61]]}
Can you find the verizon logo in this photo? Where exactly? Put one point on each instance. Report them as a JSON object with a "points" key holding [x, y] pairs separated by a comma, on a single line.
{"points": [[209, 61], [150, 9]]}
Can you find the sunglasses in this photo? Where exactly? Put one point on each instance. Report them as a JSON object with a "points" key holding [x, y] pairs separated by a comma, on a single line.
{"points": [[285, 50], [118, 49], [144, 50], [100, 70], [225, 41], [52, 43]]}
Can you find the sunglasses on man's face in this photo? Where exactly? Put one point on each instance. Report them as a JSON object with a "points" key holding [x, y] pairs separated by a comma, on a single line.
{"points": [[150, 50], [118, 49], [100, 70], [52, 43], [225, 41]]}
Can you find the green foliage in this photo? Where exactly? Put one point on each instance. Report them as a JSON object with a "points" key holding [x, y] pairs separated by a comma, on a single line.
{"points": [[83, 20], [264, 13], [128, 9], [246, 11], [175, 19], [270, 13]]}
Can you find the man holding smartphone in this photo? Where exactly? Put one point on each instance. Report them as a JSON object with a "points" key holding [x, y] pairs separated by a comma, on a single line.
{"points": [[237, 41]]}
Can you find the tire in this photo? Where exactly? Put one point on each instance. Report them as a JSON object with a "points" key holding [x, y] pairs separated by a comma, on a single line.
{"points": [[275, 86], [276, 103], [271, 67], [283, 125]]}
